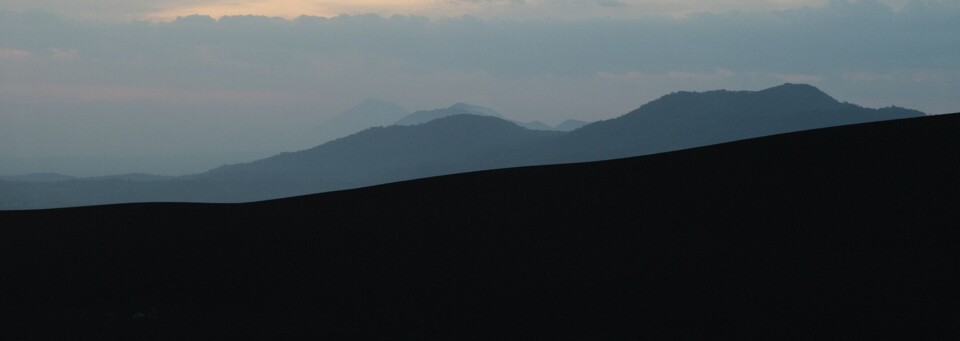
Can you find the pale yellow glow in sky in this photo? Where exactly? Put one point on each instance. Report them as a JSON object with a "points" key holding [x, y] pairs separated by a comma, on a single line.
{"points": [[556, 9], [294, 8], [154, 10]]}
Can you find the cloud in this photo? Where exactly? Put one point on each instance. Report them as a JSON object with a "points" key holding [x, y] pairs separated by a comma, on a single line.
{"points": [[125, 10], [611, 3], [488, 1], [832, 40], [8, 55], [98, 10], [106, 10], [63, 54]]}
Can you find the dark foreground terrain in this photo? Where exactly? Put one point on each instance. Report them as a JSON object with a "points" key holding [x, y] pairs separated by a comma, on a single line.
{"points": [[838, 232]]}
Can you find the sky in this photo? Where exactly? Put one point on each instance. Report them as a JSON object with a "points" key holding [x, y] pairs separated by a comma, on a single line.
{"points": [[86, 83]]}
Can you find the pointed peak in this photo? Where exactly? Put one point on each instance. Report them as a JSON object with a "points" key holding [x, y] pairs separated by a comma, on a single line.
{"points": [[795, 86], [469, 121], [474, 109], [796, 89]]}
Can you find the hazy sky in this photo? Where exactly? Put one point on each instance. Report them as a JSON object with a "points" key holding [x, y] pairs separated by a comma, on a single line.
{"points": [[100, 78], [112, 10]]}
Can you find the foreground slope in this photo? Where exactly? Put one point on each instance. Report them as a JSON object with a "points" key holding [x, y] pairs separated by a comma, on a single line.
{"points": [[839, 232]]}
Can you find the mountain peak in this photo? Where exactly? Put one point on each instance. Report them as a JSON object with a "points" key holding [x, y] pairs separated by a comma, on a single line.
{"points": [[475, 109], [691, 119], [794, 87], [787, 97], [370, 112], [425, 116], [794, 91]]}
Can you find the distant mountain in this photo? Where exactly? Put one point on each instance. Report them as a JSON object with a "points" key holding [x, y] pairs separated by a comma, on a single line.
{"points": [[535, 125], [425, 116], [38, 177], [570, 125], [457, 143], [567, 125], [366, 114], [54, 177], [452, 144], [689, 119], [839, 233], [130, 177]]}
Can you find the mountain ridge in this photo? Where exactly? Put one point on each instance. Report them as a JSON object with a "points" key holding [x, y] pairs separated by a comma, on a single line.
{"points": [[690, 119], [459, 108], [368, 113], [462, 143]]}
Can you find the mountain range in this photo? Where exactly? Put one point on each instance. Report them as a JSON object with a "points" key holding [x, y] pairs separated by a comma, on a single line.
{"points": [[366, 114], [378, 113], [689, 119], [841, 232], [421, 117], [447, 141]]}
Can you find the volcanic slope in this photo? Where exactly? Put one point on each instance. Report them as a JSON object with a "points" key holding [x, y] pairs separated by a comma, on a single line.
{"points": [[839, 232]]}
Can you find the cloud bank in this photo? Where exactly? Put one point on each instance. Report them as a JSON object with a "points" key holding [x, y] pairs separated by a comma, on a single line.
{"points": [[113, 10]]}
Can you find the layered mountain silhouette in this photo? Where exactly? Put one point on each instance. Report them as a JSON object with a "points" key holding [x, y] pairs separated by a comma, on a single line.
{"points": [[38, 177], [843, 232], [567, 125], [424, 116], [689, 119], [447, 145], [378, 113], [570, 125], [366, 114], [446, 141]]}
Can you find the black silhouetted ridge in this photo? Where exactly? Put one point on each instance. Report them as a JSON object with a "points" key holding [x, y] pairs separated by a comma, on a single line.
{"points": [[843, 232]]}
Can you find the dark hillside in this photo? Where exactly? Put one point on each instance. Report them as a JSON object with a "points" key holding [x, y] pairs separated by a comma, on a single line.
{"points": [[690, 119], [847, 232], [448, 145], [454, 144]]}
